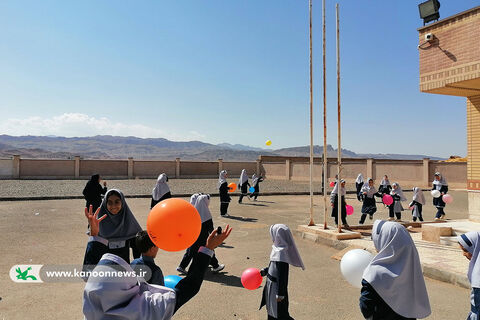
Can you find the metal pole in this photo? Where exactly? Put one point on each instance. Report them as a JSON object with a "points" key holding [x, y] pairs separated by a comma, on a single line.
{"points": [[339, 128], [311, 223], [325, 156]]}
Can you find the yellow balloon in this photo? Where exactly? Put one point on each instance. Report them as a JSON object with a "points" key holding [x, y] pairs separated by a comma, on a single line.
{"points": [[268, 143]]}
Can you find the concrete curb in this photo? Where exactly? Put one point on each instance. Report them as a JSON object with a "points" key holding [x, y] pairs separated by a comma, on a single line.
{"points": [[431, 272], [180, 195]]}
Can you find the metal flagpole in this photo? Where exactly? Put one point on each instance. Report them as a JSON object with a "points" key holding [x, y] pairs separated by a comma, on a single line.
{"points": [[311, 223], [339, 129], [325, 156]]}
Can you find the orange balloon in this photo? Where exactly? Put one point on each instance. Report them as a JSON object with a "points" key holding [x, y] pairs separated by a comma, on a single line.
{"points": [[174, 224], [232, 187]]}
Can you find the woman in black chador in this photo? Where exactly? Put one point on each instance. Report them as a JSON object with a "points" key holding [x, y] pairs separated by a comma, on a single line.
{"points": [[93, 192]]}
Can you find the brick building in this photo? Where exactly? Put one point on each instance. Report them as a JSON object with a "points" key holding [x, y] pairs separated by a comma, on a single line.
{"points": [[450, 64]]}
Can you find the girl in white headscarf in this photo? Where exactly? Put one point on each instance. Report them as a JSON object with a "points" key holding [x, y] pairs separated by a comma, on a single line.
{"points": [[369, 207], [113, 291], [359, 184], [385, 186], [470, 245], [243, 184], [284, 253], [393, 286], [417, 204], [256, 186], [440, 184], [334, 203], [223, 191], [395, 209], [201, 204], [161, 191]]}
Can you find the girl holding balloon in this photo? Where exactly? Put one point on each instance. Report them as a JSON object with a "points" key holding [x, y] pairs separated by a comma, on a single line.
{"points": [[223, 191], [369, 207], [385, 186], [440, 184], [395, 209], [256, 186], [284, 253], [393, 287]]}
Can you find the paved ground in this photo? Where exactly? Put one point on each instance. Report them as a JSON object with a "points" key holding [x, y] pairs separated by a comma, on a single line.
{"points": [[56, 236]]}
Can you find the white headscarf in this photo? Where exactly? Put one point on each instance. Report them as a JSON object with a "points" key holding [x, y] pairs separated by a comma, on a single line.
{"points": [[343, 191], [193, 198], [222, 177], [359, 178], [161, 188], [470, 241], [395, 272], [418, 195], [284, 248], [201, 205], [398, 192], [385, 182], [369, 190], [254, 180], [124, 297], [243, 177], [441, 182]]}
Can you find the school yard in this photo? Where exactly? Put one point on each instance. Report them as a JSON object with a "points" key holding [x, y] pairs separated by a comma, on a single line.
{"points": [[56, 236]]}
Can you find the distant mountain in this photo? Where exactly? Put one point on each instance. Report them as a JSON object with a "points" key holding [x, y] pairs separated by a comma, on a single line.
{"points": [[114, 147], [240, 147]]}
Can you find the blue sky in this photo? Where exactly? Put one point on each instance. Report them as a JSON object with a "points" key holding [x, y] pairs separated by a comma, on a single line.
{"points": [[222, 71]]}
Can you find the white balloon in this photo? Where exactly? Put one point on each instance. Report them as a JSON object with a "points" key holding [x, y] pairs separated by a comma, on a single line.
{"points": [[436, 193], [353, 264]]}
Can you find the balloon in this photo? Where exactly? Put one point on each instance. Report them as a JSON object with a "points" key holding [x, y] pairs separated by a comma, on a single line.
{"points": [[232, 187], [436, 193], [174, 224], [171, 281], [332, 184], [447, 198], [349, 210], [410, 208], [251, 189], [387, 199], [251, 278], [353, 265], [268, 143]]}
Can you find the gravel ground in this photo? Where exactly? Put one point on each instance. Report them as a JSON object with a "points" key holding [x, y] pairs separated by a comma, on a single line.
{"points": [[53, 188]]}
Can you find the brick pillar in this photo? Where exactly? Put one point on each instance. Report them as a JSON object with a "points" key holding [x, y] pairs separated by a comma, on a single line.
{"points": [[77, 167], [16, 166], [259, 162], [220, 165], [177, 168], [130, 168], [287, 169], [370, 169], [426, 172]]}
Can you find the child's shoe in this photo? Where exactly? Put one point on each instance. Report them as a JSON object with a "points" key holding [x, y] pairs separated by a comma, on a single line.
{"points": [[219, 268]]}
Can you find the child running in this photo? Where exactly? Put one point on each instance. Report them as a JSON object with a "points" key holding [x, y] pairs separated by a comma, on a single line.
{"points": [[369, 207], [395, 209], [256, 185], [440, 184]]}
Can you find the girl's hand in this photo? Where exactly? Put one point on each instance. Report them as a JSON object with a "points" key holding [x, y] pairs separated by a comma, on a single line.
{"points": [[104, 183], [214, 239], [279, 299], [93, 221]]}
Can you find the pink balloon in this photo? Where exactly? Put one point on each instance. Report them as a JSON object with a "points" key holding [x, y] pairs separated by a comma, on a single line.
{"points": [[332, 184], [410, 208], [387, 199], [251, 278], [349, 210], [447, 198]]}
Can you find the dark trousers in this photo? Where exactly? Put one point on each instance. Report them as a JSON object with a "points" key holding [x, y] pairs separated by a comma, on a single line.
{"points": [[241, 197], [207, 228], [419, 209], [343, 214], [363, 217], [440, 212], [254, 195], [224, 208], [392, 214], [189, 286]]}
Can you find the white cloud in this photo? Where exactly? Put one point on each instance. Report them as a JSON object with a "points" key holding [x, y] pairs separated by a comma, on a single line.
{"points": [[81, 125]]}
